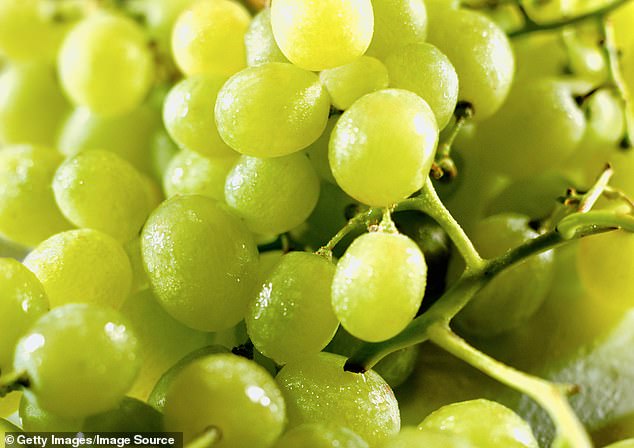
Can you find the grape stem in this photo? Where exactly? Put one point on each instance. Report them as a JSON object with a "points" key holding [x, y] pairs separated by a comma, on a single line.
{"points": [[13, 381], [443, 164], [210, 437]]}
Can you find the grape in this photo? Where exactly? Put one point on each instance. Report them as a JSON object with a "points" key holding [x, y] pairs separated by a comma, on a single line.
{"points": [[260, 42], [131, 415], [31, 104], [317, 152], [539, 55], [140, 280], [28, 212], [272, 195], [84, 266], [426, 71], [272, 110], [321, 34], [397, 23], [208, 37], [36, 419], [483, 423], [292, 316], [315, 435], [162, 151], [318, 390], [379, 285], [92, 377], [9, 404], [411, 437], [229, 393], [382, 148], [629, 443], [188, 114], [101, 191], [105, 64], [206, 287], [22, 302], [349, 82], [623, 164], [5, 427], [481, 54]]}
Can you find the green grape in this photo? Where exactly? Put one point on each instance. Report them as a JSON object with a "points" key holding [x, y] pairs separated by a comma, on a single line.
{"points": [[31, 104], [128, 135], [208, 38], [22, 302], [481, 54], [397, 23], [88, 379], [622, 428], [9, 249], [423, 69], [321, 34], [9, 404], [349, 82], [586, 58], [140, 280], [604, 114], [85, 266], [411, 437], [629, 443], [131, 415], [272, 110], [382, 148], [188, 115], [162, 339], [318, 390], [379, 285], [268, 261], [493, 237], [101, 191], [206, 287], [316, 435], [28, 212], [483, 423], [162, 151], [623, 164], [105, 64], [292, 316], [539, 55], [153, 192], [36, 419], [272, 195], [317, 152], [230, 393], [5, 427], [260, 42]]}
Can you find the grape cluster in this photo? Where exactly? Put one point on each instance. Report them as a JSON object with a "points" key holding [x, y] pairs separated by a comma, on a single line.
{"points": [[218, 217]]}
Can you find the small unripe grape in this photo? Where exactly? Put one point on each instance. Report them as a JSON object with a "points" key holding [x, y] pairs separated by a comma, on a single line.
{"points": [[260, 42], [397, 23]]}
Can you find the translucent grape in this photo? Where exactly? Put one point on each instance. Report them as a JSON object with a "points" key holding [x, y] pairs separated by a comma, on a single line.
{"points": [[84, 266], [36, 419], [423, 69], [99, 190], [206, 287], [629, 443], [292, 316], [410, 437], [539, 55], [105, 64], [91, 378], [315, 435], [28, 212], [349, 82], [318, 390], [230, 393], [188, 114], [260, 42], [382, 148], [162, 151], [317, 152], [208, 37], [272, 195], [272, 110], [397, 23], [131, 415], [321, 34], [379, 285]]}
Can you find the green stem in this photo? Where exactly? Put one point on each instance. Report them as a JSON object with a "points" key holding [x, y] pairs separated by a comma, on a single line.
{"points": [[361, 219], [207, 439], [572, 225]]}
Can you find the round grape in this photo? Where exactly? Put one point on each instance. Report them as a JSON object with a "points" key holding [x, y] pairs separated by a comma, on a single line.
{"points": [[397, 23], [315, 435], [410, 437], [260, 42]]}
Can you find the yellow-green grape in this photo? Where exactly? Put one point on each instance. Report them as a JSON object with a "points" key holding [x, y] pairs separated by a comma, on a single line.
{"points": [[483, 423], [22, 302], [162, 151], [105, 64], [101, 191], [260, 42], [32, 105], [153, 192], [128, 135], [188, 114], [321, 34], [28, 212], [36, 419], [84, 266], [411, 437], [629, 443], [397, 23], [316, 435], [5, 427], [230, 393], [272, 110], [423, 69], [318, 390], [382, 148], [502, 306], [131, 415], [623, 164], [379, 285], [208, 37], [481, 54], [140, 280], [272, 195], [539, 55], [190, 173], [349, 82], [205, 286], [9, 404], [317, 152], [292, 315]]}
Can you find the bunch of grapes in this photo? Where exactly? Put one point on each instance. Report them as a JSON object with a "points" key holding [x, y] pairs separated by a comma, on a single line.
{"points": [[319, 223]]}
